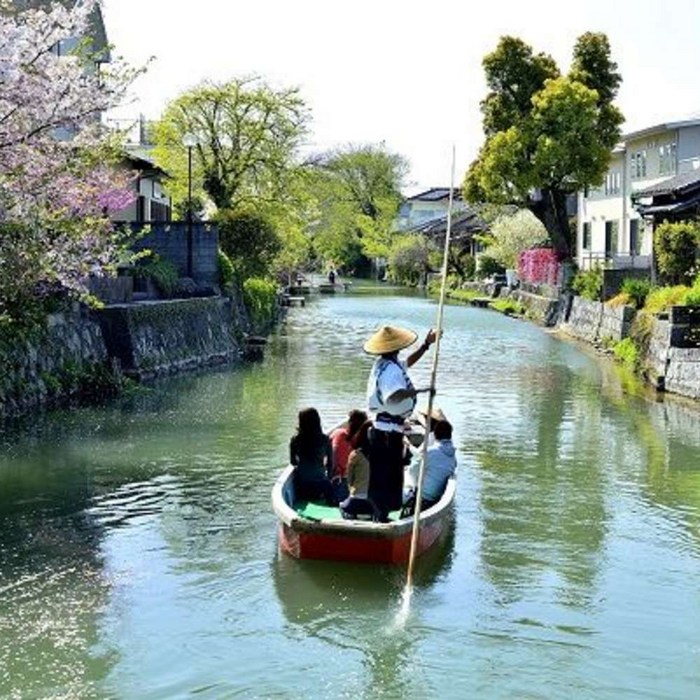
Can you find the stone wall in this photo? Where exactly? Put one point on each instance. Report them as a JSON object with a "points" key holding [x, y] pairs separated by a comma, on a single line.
{"points": [[163, 337], [83, 352], [543, 309], [597, 323], [51, 363], [665, 365]]}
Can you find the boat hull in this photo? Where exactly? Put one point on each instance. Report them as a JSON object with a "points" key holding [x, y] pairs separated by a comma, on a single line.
{"points": [[355, 540]]}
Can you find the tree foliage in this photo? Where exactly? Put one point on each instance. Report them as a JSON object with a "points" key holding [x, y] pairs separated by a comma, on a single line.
{"points": [[547, 135], [676, 249], [250, 242], [358, 190], [247, 136], [57, 180], [409, 258], [513, 234]]}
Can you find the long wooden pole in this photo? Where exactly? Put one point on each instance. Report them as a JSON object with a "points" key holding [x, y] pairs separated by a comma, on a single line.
{"points": [[433, 375]]}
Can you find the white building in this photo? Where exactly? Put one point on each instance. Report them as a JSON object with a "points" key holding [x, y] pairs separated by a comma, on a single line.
{"points": [[427, 206], [610, 230]]}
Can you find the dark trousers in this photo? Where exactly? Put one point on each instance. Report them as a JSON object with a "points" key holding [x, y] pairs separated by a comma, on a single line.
{"points": [[386, 463]]}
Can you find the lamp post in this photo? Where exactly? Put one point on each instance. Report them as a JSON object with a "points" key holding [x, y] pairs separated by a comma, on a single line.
{"points": [[189, 141]]}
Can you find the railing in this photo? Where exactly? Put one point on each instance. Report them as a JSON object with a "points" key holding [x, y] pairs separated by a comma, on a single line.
{"points": [[614, 261]]}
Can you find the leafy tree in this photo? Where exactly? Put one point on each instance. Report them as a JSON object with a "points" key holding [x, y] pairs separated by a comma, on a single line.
{"points": [[56, 167], [249, 241], [409, 258], [547, 135], [247, 138], [358, 189], [675, 250], [511, 235]]}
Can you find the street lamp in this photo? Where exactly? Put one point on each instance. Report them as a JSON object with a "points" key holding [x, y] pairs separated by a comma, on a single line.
{"points": [[189, 141]]}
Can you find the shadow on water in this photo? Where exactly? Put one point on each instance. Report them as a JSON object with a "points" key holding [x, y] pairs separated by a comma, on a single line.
{"points": [[351, 606]]}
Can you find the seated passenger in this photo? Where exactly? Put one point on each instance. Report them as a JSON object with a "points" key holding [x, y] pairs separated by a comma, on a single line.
{"points": [[359, 503], [341, 441], [310, 452], [440, 465]]}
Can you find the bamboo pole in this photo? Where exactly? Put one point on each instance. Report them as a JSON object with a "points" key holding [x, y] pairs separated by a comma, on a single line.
{"points": [[433, 374]]}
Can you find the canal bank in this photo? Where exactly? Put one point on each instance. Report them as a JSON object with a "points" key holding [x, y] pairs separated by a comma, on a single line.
{"points": [[666, 347], [88, 353]]}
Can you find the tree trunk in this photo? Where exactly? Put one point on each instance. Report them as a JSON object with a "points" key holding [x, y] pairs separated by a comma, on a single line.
{"points": [[551, 211]]}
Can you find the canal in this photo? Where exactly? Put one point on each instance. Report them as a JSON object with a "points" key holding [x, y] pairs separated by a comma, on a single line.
{"points": [[138, 555]]}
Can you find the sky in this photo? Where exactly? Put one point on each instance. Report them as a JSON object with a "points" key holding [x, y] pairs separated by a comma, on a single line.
{"points": [[403, 72]]}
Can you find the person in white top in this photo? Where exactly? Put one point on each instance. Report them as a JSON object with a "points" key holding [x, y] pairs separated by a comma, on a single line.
{"points": [[391, 398]]}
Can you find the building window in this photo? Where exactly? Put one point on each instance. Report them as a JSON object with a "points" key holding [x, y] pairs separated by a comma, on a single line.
{"points": [[612, 184], [667, 159], [611, 233], [586, 242], [638, 164], [635, 237]]}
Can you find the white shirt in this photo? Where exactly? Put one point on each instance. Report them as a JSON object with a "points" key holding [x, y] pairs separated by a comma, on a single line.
{"points": [[386, 378]]}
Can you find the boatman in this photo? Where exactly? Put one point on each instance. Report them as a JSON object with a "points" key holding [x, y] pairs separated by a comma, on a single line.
{"points": [[391, 398]]}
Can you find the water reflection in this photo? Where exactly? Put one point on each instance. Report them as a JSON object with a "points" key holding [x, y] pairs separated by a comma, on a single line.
{"points": [[543, 503], [355, 607]]}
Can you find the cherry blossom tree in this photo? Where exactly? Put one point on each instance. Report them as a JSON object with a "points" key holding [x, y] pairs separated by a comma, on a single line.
{"points": [[59, 179]]}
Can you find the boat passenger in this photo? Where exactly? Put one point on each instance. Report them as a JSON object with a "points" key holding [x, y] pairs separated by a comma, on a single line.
{"points": [[341, 442], [440, 465], [359, 502], [391, 398], [310, 452]]}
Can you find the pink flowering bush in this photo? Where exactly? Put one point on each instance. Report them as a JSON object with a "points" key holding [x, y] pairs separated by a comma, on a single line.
{"points": [[58, 179], [539, 266]]}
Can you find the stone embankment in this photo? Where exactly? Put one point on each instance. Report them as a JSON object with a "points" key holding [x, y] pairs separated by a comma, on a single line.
{"points": [[669, 347], [82, 352]]}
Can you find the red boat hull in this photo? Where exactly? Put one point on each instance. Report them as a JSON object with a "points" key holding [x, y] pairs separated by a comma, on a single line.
{"points": [[356, 540]]}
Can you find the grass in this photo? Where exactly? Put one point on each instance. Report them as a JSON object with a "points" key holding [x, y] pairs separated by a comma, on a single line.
{"points": [[510, 307]]}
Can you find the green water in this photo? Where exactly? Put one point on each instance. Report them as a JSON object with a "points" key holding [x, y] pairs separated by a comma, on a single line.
{"points": [[138, 555]]}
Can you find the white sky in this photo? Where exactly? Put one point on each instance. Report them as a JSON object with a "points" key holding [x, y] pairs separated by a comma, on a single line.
{"points": [[400, 71]]}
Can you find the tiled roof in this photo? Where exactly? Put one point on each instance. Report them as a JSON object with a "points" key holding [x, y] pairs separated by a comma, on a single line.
{"points": [[435, 194], [677, 185]]}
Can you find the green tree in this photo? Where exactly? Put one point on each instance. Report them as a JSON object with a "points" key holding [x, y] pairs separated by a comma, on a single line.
{"points": [[547, 135], [511, 235], [409, 258], [358, 189], [250, 242], [247, 136], [676, 249]]}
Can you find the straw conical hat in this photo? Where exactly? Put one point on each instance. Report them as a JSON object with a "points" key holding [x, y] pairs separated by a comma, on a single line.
{"points": [[389, 339], [435, 416]]}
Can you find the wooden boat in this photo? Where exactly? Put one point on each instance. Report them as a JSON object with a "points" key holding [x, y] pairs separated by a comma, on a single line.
{"points": [[312, 531]]}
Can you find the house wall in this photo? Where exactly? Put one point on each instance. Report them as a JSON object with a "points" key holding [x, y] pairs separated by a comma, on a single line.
{"points": [[688, 149], [414, 213], [596, 208]]}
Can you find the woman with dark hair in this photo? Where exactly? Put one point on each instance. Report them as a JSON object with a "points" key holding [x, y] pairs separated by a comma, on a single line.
{"points": [[341, 442], [310, 452], [359, 502]]}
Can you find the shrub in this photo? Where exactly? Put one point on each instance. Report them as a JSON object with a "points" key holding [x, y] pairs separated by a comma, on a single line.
{"points": [[637, 290], [589, 283], [692, 296], [663, 298], [408, 259], [249, 240], [260, 298], [621, 299], [162, 272], [626, 351], [675, 249], [227, 274], [508, 306], [488, 266]]}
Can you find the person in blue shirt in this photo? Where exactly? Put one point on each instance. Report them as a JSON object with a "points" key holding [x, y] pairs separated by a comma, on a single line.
{"points": [[440, 465]]}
